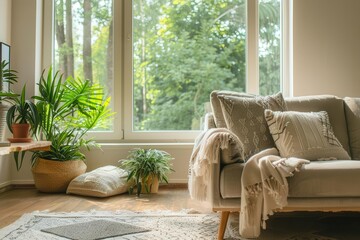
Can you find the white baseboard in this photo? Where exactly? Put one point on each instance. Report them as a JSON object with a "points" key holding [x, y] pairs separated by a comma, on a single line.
{"points": [[5, 184], [31, 182], [178, 180], [22, 182]]}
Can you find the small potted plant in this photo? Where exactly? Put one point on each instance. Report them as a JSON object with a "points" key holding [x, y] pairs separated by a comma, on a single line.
{"points": [[146, 168], [21, 117]]}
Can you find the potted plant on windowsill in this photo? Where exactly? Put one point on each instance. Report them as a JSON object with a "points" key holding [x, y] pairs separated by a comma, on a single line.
{"points": [[68, 109], [21, 117], [146, 168]]}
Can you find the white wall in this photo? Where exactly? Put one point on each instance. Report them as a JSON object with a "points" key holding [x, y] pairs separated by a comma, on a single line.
{"points": [[5, 36], [23, 34], [5, 21], [326, 47], [326, 61]]}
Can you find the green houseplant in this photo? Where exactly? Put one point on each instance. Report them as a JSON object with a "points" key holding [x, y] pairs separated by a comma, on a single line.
{"points": [[7, 77], [22, 116], [68, 109], [146, 168]]}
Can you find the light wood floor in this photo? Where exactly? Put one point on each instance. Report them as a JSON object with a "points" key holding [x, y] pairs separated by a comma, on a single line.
{"points": [[16, 202]]}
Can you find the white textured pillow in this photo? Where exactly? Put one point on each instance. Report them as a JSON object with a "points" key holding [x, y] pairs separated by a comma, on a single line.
{"points": [[101, 182], [306, 135]]}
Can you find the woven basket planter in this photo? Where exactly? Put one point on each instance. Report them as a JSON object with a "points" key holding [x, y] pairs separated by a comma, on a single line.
{"points": [[153, 183], [55, 176]]}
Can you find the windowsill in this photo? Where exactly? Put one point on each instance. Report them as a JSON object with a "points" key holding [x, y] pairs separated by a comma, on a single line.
{"points": [[143, 144]]}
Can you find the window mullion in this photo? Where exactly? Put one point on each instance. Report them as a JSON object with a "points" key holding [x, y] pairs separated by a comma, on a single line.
{"points": [[252, 43], [286, 47]]}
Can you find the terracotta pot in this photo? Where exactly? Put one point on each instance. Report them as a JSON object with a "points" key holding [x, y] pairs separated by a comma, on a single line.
{"points": [[153, 183], [20, 130], [54, 176], [3, 111]]}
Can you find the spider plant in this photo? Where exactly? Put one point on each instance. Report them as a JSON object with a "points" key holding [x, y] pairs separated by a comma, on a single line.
{"points": [[145, 164], [22, 111]]}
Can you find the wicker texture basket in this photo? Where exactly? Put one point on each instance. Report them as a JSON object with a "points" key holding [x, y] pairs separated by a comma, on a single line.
{"points": [[54, 176]]}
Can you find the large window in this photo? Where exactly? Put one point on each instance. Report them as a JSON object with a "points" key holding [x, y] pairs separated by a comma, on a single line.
{"points": [[160, 59]]}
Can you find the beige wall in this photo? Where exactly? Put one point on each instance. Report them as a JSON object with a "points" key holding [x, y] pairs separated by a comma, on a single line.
{"points": [[23, 35], [326, 55], [112, 153], [326, 49], [5, 36], [5, 21]]}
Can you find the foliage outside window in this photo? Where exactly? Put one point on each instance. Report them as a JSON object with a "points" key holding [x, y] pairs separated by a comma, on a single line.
{"points": [[184, 49]]}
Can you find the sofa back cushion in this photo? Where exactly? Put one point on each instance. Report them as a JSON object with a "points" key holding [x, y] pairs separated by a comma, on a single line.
{"points": [[333, 105], [352, 110], [244, 116], [216, 106]]}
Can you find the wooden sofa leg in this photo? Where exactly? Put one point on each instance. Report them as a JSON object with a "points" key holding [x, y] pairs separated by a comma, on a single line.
{"points": [[223, 221]]}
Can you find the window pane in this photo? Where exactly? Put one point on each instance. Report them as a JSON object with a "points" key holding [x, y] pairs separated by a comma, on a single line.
{"points": [[83, 42], [269, 46], [182, 50]]}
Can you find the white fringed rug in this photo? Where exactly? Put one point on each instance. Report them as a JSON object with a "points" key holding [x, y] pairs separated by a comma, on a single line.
{"points": [[147, 225], [185, 225]]}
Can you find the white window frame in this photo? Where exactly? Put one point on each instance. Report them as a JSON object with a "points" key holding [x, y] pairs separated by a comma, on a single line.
{"points": [[123, 122]]}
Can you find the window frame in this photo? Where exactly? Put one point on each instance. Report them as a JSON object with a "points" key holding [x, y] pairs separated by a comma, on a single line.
{"points": [[123, 122]]}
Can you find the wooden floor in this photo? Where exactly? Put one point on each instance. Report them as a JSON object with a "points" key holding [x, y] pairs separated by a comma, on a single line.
{"points": [[16, 202]]}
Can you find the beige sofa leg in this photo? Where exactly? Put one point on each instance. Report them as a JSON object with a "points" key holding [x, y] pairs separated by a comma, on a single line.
{"points": [[223, 221]]}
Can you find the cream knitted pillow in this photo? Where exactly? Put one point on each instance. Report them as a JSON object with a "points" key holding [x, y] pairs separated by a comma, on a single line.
{"points": [[101, 182], [306, 135]]}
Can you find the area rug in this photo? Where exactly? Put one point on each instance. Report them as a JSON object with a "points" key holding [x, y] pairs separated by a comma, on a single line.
{"points": [[184, 225]]}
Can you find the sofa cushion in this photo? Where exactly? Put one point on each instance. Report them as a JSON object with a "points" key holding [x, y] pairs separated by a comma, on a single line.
{"points": [[326, 179], [352, 110], [245, 118], [230, 180], [307, 135], [317, 179], [333, 105], [216, 106]]}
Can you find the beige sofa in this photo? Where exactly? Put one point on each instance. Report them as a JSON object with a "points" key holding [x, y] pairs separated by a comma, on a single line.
{"points": [[330, 185]]}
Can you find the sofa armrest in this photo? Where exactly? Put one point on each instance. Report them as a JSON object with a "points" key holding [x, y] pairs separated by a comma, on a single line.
{"points": [[209, 121]]}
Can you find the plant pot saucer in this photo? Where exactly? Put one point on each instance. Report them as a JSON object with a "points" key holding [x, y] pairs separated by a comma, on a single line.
{"points": [[20, 140]]}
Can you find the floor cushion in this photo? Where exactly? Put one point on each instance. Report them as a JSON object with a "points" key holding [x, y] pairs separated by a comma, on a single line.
{"points": [[102, 182]]}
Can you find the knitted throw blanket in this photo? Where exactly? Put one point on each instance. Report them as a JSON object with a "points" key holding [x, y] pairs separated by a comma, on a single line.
{"points": [[263, 181], [206, 151], [264, 188]]}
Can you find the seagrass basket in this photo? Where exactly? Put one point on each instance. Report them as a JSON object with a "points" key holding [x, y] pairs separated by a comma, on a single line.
{"points": [[54, 176]]}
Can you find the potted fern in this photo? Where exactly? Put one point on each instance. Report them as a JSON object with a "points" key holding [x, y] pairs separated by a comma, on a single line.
{"points": [[146, 168], [68, 109]]}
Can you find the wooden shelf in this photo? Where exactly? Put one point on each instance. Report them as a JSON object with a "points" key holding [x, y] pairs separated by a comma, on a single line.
{"points": [[18, 147]]}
